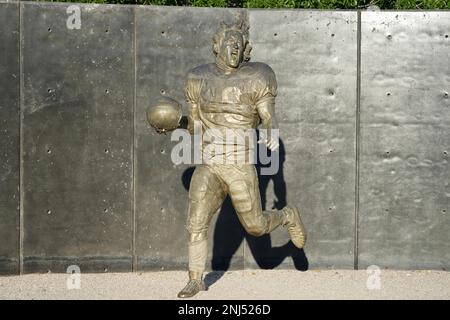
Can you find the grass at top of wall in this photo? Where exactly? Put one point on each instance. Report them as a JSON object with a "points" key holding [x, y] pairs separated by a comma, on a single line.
{"points": [[307, 4]]}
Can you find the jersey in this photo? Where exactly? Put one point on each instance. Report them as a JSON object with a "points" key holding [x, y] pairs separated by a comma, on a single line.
{"points": [[227, 107]]}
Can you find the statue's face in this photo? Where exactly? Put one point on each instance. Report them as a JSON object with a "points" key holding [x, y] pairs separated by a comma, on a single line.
{"points": [[231, 49]]}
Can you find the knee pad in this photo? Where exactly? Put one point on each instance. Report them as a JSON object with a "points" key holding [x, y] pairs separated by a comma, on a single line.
{"points": [[197, 191], [240, 196]]}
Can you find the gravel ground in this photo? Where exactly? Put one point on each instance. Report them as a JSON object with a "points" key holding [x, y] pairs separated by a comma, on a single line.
{"points": [[248, 284]]}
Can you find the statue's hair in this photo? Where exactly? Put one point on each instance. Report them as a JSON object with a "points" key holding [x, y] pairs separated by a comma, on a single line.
{"points": [[242, 27]]}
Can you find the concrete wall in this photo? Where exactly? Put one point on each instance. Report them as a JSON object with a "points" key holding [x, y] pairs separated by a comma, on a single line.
{"points": [[405, 139], [9, 139], [364, 115], [314, 57], [77, 146]]}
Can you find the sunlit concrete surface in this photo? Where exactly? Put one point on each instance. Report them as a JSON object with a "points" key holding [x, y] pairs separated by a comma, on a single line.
{"points": [[249, 284]]}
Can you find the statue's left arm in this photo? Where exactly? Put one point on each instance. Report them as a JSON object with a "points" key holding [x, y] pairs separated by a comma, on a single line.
{"points": [[266, 111], [265, 105]]}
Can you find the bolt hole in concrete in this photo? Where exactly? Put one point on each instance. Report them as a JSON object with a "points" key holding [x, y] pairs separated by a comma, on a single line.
{"points": [[163, 151], [387, 152], [107, 30], [49, 29], [49, 90], [275, 34], [389, 36], [388, 94], [49, 211], [162, 32], [106, 151], [105, 210], [446, 35], [163, 91], [445, 152], [331, 150], [49, 151], [445, 94], [106, 91], [332, 34]]}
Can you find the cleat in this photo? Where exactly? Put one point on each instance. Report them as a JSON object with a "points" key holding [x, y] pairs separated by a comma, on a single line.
{"points": [[193, 287], [295, 227]]}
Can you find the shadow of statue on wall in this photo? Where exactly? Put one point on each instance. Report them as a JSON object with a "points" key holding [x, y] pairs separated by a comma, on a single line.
{"points": [[229, 233]]}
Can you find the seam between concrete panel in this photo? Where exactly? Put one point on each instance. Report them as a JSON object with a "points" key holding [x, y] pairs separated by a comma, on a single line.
{"points": [[134, 257], [357, 147], [21, 101]]}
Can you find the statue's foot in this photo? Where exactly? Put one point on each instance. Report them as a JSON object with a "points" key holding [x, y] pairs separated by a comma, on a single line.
{"points": [[193, 287], [295, 227]]}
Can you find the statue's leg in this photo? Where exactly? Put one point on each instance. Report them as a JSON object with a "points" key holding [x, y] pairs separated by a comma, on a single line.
{"points": [[206, 195], [243, 187], [244, 192]]}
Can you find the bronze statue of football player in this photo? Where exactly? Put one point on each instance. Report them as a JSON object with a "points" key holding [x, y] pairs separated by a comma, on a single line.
{"points": [[232, 95]]}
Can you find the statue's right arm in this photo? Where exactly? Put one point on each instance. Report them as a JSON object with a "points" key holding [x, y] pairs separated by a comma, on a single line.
{"points": [[192, 93], [187, 122], [192, 117]]}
